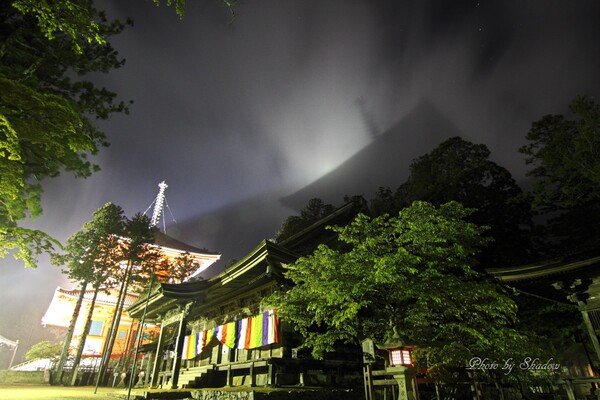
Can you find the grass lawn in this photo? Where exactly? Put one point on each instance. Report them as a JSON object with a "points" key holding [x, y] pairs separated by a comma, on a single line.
{"points": [[57, 393]]}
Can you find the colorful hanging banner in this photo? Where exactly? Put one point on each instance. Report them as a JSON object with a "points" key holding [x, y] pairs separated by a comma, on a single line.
{"points": [[226, 334], [195, 343], [242, 330], [248, 333], [273, 329], [260, 330], [189, 347]]}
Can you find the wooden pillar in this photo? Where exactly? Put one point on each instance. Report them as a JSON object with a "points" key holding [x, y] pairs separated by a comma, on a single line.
{"points": [[590, 327], [475, 388], [569, 389], [368, 381], [229, 377], [270, 376], [149, 366], [178, 350], [156, 367], [12, 359]]}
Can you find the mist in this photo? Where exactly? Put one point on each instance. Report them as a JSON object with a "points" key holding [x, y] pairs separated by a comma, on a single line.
{"points": [[237, 114]]}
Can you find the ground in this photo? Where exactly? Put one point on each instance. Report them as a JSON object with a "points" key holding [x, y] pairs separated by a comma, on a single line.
{"points": [[45, 392], [31, 392]]}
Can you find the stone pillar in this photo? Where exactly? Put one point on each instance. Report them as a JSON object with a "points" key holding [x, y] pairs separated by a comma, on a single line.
{"points": [[406, 383]]}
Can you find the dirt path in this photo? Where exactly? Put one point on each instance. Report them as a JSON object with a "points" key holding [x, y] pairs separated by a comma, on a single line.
{"points": [[57, 393]]}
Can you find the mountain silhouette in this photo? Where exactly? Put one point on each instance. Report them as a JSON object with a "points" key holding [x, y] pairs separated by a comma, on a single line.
{"points": [[235, 229], [384, 162]]}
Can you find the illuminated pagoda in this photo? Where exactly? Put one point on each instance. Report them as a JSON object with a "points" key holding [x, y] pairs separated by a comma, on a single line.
{"points": [[62, 306]]}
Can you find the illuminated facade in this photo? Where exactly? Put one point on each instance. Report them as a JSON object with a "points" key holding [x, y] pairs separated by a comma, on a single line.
{"points": [[61, 310], [63, 304], [218, 332]]}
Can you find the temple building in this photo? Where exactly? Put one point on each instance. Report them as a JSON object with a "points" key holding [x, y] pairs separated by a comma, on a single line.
{"points": [[573, 281], [62, 306], [220, 332], [61, 310]]}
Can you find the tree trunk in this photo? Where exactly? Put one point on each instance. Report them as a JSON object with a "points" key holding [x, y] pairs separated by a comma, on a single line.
{"points": [[65, 350], [119, 313], [86, 330], [499, 388], [134, 332], [108, 346]]}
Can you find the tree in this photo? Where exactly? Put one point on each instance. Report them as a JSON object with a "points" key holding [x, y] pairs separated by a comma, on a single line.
{"points": [[409, 275], [181, 268], [180, 6], [43, 349], [458, 170], [70, 18], [565, 157], [139, 255], [311, 213], [46, 116], [91, 256]]}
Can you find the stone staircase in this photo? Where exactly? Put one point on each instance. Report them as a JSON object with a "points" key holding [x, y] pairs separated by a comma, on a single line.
{"points": [[201, 377]]}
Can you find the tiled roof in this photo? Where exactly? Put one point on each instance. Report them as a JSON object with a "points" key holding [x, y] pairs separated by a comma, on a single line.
{"points": [[109, 296], [163, 240]]}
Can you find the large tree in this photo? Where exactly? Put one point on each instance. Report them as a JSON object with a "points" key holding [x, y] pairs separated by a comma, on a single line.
{"points": [[314, 210], [458, 170], [409, 275], [564, 153], [179, 269], [47, 110], [138, 256], [92, 257]]}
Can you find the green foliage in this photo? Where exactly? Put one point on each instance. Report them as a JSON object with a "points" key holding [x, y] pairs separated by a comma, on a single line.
{"points": [[45, 114], [52, 66], [72, 18], [181, 268], [43, 349], [311, 213], [180, 6], [110, 250], [27, 244], [564, 153], [40, 136], [138, 250], [567, 326], [409, 275], [93, 254], [458, 170]]}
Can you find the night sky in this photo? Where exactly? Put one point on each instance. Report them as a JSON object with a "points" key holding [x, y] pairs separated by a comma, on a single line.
{"points": [[237, 114]]}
